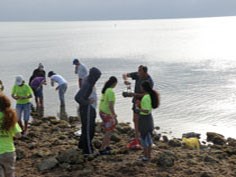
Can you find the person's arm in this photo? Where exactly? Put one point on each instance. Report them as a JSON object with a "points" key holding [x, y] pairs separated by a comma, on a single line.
{"points": [[76, 69], [111, 107], [125, 78], [43, 82], [80, 96], [52, 82], [14, 96]]}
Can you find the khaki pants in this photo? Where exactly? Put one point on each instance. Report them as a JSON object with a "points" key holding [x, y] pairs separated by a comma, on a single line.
{"points": [[7, 164]]}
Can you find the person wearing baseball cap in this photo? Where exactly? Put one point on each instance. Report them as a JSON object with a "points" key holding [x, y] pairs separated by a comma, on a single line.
{"points": [[81, 70], [22, 93]]}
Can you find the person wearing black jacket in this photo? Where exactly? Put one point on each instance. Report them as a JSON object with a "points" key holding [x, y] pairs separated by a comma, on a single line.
{"points": [[87, 111]]}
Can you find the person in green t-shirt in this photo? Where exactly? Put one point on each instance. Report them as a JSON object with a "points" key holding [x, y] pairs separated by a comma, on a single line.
{"points": [[107, 113], [9, 128], [149, 101], [22, 93]]}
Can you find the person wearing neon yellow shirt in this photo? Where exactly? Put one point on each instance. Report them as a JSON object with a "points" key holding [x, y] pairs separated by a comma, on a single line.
{"points": [[22, 93], [9, 128], [149, 101], [107, 113]]}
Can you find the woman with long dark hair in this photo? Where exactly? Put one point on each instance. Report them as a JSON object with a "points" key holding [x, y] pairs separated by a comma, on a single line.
{"points": [[107, 113], [149, 101], [8, 129]]}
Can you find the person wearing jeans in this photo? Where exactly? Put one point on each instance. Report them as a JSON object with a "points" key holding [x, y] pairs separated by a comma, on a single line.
{"points": [[62, 85]]}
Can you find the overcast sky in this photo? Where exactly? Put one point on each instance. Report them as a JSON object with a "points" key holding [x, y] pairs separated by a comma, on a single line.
{"points": [[33, 10]]}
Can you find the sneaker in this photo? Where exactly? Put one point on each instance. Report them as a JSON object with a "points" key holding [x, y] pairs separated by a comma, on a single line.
{"points": [[105, 152], [143, 158]]}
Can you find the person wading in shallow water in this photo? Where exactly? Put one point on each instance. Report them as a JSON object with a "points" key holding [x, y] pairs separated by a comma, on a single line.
{"points": [[61, 88], [87, 111], [140, 76], [34, 79]]}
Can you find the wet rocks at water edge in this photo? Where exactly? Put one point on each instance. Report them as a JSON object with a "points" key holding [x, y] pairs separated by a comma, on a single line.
{"points": [[50, 150]]}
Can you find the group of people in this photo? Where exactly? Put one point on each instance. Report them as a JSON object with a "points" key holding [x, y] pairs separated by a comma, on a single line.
{"points": [[145, 98]]}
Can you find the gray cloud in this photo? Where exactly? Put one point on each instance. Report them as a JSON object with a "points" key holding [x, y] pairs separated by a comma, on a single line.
{"points": [[14, 10]]}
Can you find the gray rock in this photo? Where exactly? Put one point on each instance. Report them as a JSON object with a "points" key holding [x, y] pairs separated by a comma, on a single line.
{"points": [[210, 159], [174, 143], [165, 138], [115, 137], [47, 164], [166, 159], [71, 156], [231, 142], [191, 135], [216, 138], [20, 154]]}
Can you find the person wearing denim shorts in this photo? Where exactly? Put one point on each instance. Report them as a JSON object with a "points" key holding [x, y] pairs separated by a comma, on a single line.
{"points": [[149, 101], [22, 93]]}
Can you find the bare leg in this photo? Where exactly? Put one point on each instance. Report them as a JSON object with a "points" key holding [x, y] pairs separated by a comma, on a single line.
{"points": [[106, 140]]}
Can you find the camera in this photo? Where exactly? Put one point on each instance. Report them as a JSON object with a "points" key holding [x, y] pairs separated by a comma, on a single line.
{"points": [[127, 94]]}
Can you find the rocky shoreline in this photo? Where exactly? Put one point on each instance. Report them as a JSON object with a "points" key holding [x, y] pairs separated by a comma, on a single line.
{"points": [[50, 150]]}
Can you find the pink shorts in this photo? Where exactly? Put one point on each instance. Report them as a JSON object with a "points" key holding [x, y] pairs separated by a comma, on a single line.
{"points": [[109, 123]]}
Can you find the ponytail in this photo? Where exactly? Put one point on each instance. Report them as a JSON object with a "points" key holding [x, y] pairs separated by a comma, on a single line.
{"points": [[154, 94], [112, 80]]}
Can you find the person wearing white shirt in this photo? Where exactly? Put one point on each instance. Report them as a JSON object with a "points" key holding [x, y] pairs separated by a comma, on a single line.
{"points": [[81, 70], [62, 85]]}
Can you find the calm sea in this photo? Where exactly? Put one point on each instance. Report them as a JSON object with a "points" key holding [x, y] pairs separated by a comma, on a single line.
{"points": [[192, 62]]}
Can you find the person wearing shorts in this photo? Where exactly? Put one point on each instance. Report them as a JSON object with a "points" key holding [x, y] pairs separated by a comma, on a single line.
{"points": [[37, 86], [149, 101], [139, 77], [22, 93], [107, 113]]}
